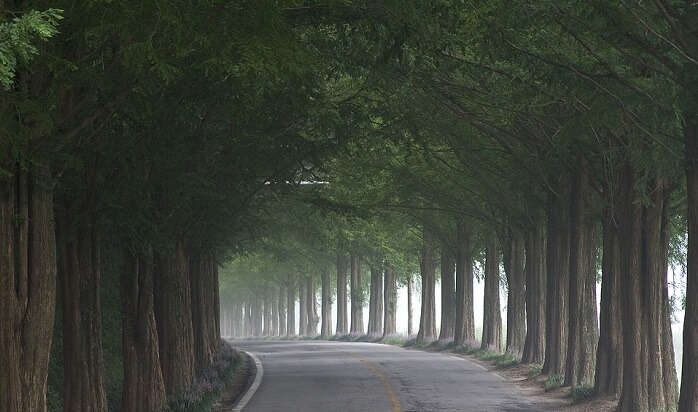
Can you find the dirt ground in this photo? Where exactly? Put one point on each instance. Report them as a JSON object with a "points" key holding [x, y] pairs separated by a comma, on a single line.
{"points": [[553, 400]]}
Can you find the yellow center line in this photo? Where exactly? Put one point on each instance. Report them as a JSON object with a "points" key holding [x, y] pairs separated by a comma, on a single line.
{"points": [[386, 383]]}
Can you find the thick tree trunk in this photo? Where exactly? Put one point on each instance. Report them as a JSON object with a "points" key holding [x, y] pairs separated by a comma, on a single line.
{"points": [[274, 312], [688, 401], [27, 287], [79, 270], [173, 313], [375, 304], [609, 362], [247, 318], [326, 329], [448, 297], [290, 307], [313, 318], [342, 318], [302, 309], [204, 292], [670, 383], [282, 310], [580, 365], [464, 328], [409, 305], [534, 348], [514, 261], [390, 301], [267, 299], [427, 316], [634, 392], [357, 299], [557, 268], [144, 386], [492, 317]]}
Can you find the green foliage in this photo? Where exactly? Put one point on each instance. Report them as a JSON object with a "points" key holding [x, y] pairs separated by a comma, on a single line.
{"points": [[582, 393], [535, 370], [554, 382], [18, 38]]}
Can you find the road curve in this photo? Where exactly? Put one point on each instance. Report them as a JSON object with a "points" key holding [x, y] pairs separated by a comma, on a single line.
{"points": [[358, 377]]}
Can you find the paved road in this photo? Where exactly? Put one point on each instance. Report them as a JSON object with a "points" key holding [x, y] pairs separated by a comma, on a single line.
{"points": [[358, 377]]}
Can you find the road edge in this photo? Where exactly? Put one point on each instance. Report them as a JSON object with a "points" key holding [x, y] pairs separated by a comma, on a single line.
{"points": [[258, 375]]}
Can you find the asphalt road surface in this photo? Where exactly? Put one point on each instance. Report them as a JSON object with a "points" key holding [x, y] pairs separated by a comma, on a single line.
{"points": [[358, 377]]}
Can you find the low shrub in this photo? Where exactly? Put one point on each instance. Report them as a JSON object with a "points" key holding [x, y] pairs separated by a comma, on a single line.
{"points": [[582, 393], [554, 382]]}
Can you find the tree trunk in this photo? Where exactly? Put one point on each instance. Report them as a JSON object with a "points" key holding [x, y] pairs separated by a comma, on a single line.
{"points": [[274, 312], [27, 287], [448, 297], [357, 300], [609, 362], [409, 305], [204, 289], [266, 329], [375, 304], [313, 318], [326, 329], [557, 268], [390, 301], [671, 390], [302, 309], [342, 321], [173, 313], [427, 316], [634, 392], [464, 328], [580, 366], [534, 348], [282, 310], [290, 307], [79, 271], [144, 386], [492, 317], [514, 259], [688, 401]]}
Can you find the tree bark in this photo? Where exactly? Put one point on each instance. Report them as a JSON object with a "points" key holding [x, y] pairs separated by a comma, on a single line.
{"points": [[390, 301], [302, 309], [274, 312], [342, 319], [514, 267], [375, 304], [448, 297], [290, 307], [557, 268], [173, 313], [282, 310], [580, 366], [427, 316], [357, 300], [670, 383], [688, 401], [204, 292], [313, 318], [634, 392], [464, 328], [326, 329], [534, 348], [27, 287], [266, 301], [79, 264], [609, 362], [409, 305], [144, 386], [492, 317]]}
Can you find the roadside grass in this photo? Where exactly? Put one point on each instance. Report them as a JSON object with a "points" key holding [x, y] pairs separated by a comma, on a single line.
{"points": [[582, 393], [554, 382], [535, 370], [213, 381], [398, 340]]}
